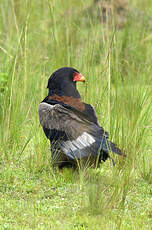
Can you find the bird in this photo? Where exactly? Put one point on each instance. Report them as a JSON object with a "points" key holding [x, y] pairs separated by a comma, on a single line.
{"points": [[72, 125]]}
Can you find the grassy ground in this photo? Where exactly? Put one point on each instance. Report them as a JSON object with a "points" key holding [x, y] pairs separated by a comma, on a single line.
{"points": [[36, 38]]}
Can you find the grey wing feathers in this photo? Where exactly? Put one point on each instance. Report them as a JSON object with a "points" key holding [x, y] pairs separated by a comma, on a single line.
{"points": [[80, 142], [60, 118], [84, 138]]}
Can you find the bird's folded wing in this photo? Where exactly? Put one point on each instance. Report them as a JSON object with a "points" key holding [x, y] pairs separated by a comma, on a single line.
{"points": [[83, 138]]}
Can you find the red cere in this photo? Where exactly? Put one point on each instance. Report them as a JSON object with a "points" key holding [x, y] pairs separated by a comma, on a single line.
{"points": [[78, 77]]}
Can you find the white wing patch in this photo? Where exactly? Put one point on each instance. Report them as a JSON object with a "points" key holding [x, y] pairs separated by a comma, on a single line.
{"points": [[75, 147], [83, 141]]}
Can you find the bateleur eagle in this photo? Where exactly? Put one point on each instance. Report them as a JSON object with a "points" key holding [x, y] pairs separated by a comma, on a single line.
{"points": [[72, 125]]}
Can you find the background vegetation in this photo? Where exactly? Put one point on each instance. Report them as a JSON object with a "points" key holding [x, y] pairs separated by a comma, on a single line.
{"points": [[36, 38]]}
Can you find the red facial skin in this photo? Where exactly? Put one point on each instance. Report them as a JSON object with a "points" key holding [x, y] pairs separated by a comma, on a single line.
{"points": [[78, 77]]}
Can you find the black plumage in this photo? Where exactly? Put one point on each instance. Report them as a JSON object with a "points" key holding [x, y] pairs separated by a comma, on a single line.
{"points": [[71, 125]]}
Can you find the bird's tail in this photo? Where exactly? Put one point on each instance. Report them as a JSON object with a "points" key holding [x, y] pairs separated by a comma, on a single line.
{"points": [[115, 149]]}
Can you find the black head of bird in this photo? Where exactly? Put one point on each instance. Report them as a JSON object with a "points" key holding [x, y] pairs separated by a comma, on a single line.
{"points": [[63, 82]]}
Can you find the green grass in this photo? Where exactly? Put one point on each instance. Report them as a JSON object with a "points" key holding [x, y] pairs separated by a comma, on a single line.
{"points": [[36, 38]]}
